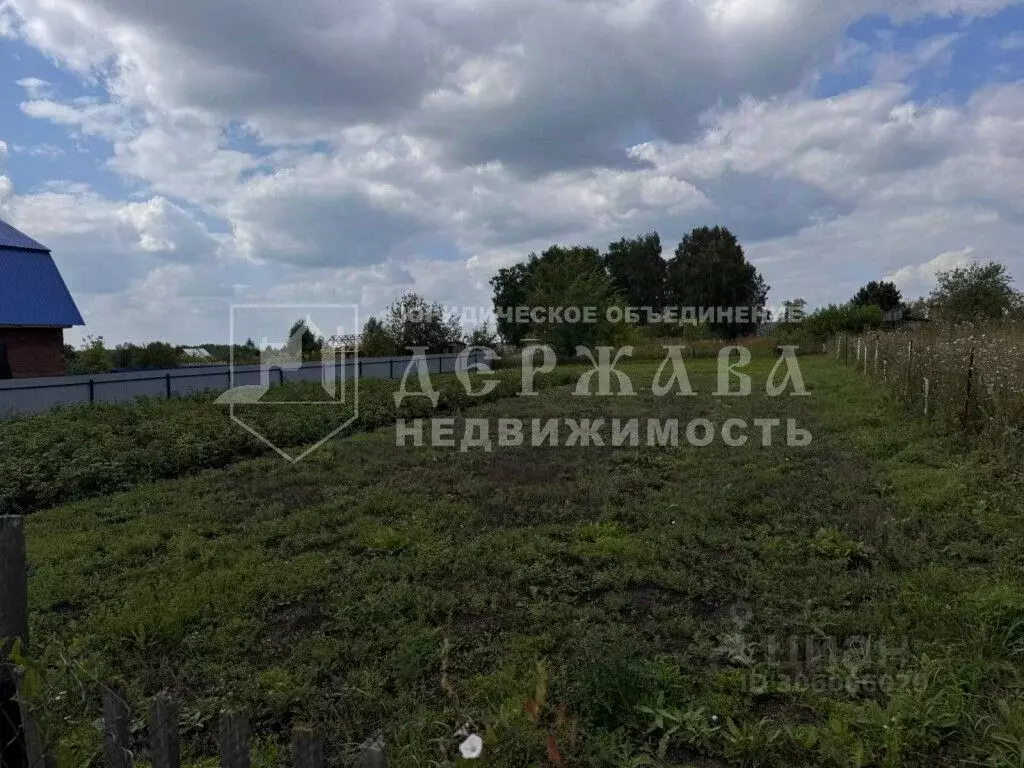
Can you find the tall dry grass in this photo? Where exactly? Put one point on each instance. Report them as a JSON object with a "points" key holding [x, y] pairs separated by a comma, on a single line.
{"points": [[967, 377]]}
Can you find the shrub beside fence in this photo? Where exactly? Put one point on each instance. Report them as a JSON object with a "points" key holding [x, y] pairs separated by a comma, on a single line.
{"points": [[22, 745]]}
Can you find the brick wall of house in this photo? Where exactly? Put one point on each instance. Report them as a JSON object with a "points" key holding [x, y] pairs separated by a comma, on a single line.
{"points": [[34, 351]]}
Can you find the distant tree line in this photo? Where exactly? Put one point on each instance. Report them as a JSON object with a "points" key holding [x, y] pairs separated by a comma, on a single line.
{"points": [[95, 357], [409, 322], [974, 293], [708, 270]]}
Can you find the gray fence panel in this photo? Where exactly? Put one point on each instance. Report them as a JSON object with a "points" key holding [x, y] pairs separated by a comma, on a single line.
{"points": [[118, 391], [31, 396], [38, 399], [373, 369], [183, 386]]}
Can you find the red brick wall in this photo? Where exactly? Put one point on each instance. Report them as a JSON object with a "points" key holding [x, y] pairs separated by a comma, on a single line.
{"points": [[34, 351]]}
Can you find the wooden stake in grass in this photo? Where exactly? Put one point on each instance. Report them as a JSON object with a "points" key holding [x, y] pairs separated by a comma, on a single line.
{"points": [[307, 749], [13, 629], [373, 754], [164, 733], [234, 740], [926, 397], [116, 719]]}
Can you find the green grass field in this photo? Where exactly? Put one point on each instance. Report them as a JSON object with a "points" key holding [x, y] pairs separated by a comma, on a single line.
{"points": [[577, 606]]}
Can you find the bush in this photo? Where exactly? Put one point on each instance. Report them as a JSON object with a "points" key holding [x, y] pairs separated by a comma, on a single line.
{"points": [[824, 323]]}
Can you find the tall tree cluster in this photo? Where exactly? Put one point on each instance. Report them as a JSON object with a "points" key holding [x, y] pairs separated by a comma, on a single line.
{"points": [[708, 270]]}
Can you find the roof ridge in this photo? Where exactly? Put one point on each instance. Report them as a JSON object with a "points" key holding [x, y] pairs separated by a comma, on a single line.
{"points": [[12, 237]]}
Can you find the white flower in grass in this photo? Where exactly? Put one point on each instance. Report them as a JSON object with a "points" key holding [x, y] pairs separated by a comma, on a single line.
{"points": [[472, 747]]}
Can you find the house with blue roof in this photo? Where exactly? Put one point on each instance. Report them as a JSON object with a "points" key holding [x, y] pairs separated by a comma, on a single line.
{"points": [[35, 308]]}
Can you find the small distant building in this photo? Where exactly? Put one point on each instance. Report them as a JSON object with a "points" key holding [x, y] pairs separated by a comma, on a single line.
{"points": [[903, 319], [344, 345], [196, 353], [35, 308]]}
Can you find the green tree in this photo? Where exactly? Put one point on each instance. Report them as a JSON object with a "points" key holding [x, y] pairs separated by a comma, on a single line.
{"points": [[303, 340], [793, 311], [638, 271], [975, 292], [574, 281], [482, 336], [825, 322], [879, 293], [93, 357], [512, 286], [157, 354], [709, 269], [247, 353], [412, 322], [376, 341]]}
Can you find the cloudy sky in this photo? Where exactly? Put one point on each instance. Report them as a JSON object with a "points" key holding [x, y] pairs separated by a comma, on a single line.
{"points": [[181, 156]]}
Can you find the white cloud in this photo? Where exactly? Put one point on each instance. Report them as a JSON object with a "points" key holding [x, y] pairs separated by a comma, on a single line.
{"points": [[107, 120], [6, 188], [1011, 42], [918, 279], [452, 136], [896, 66], [34, 87], [49, 151]]}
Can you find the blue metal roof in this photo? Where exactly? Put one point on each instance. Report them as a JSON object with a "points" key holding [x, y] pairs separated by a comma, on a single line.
{"points": [[15, 238], [32, 291]]}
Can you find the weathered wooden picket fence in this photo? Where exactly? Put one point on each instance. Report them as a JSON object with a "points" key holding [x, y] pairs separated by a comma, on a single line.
{"points": [[20, 742]]}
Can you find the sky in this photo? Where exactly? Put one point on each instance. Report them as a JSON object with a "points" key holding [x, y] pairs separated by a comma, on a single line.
{"points": [[179, 158]]}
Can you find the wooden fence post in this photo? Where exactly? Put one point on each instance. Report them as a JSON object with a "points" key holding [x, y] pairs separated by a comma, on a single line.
{"points": [[20, 743], [307, 749], [234, 740], [374, 754], [116, 719], [163, 732], [13, 629], [13, 590], [35, 757], [967, 398]]}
